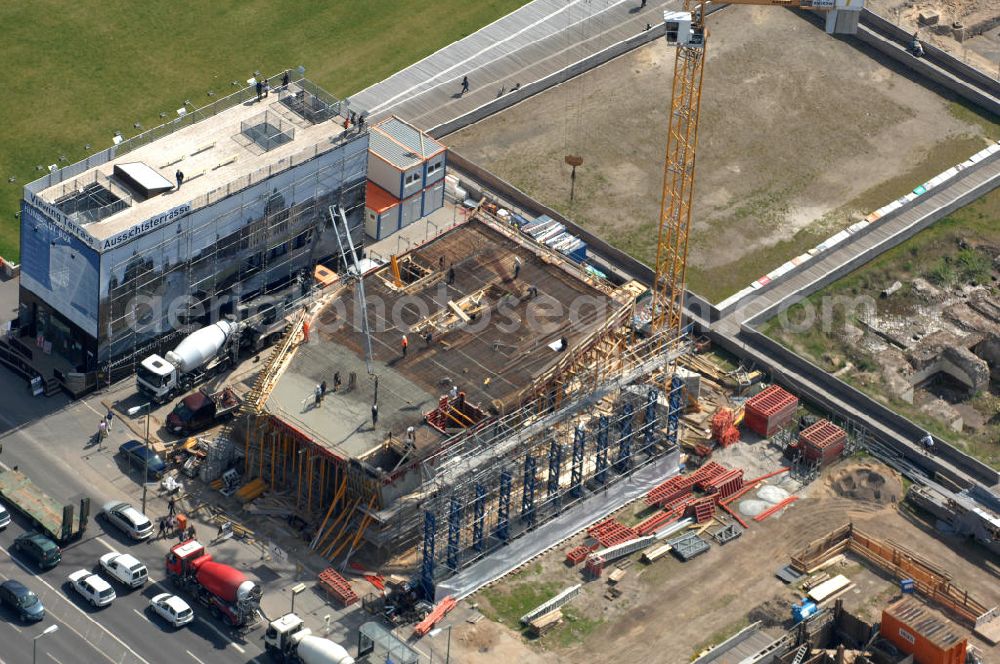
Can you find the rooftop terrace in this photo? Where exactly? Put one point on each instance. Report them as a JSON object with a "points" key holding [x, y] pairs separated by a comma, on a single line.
{"points": [[219, 150], [491, 335]]}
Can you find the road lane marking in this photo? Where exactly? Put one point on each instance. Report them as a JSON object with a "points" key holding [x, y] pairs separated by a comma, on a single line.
{"points": [[187, 651], [220, 633], [14, 627], [140, 614], [65, 624], [53, 658], [80, 611], [106, 545]]}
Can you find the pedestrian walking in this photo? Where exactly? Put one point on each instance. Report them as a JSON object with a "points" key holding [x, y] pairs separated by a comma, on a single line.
{"points": [[179, 176], [428, 338], [336, 381], [642, 4], [451, 274], [318, 396], [284, 79], [465, 85], [162, 528], [102, 430], [374, 415], [322, 390], [517, 266], [191, 532], [171, 507], [441, 263], [260, 90], [110, 417], [404, 343], [266, 87]]}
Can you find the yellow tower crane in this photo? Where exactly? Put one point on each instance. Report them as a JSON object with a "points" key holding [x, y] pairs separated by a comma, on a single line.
{"points": [[686, 30]]}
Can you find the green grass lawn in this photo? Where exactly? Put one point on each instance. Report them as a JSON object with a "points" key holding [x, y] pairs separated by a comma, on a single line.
{"points": [[78, 72]]}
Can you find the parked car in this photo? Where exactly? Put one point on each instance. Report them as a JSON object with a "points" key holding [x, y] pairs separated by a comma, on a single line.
{"points": [[140, 457], [128, 519], [43, 551], [93, 588], [4, 517], [202, 409], [172, 609], [124, 567], [19, 598]]}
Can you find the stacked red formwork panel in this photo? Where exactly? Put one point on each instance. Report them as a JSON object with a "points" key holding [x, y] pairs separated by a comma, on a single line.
{"points": [[770, 410], [823, 441]]}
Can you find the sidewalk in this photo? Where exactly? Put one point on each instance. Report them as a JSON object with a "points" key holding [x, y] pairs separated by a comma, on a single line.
{"points": [[540, 38]]}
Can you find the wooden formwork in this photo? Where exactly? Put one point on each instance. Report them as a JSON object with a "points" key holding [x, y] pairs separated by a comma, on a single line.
{"points": [[930, 580]]}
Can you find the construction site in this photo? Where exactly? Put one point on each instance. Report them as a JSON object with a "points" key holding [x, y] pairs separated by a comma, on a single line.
{"points": [[480, 406]]}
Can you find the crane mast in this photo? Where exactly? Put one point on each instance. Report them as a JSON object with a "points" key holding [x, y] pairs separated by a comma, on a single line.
{"points": [[686, 30]]}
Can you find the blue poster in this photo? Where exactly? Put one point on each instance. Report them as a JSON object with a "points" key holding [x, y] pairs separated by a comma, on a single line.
{"points": [[59, 268]]}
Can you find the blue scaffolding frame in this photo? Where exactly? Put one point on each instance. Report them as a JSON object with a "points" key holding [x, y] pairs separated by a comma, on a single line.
{"points": [[651, 421], [478, 517], [427, 564], [503, 506], [624, 460], [674, 409], [555, 467], [576, 473], [454, 532], [601, 462], [528, 492]]}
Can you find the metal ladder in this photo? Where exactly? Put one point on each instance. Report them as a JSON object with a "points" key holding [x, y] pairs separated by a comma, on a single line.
{"points": [[800, 655]]}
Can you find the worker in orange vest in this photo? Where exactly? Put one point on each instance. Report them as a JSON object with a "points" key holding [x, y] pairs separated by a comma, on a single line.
{"points": [[404, 343], [305, 331]]}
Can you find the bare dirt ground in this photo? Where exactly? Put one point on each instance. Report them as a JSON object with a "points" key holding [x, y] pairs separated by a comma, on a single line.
{"points": [[980, 20], [670, 610], [799, 133]]}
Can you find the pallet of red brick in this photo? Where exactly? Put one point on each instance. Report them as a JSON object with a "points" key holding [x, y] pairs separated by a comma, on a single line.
{"points": [[823, 441], [770, 410]]}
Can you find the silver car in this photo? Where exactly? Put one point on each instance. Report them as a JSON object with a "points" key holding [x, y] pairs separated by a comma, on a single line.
{"points": [[129, 520]]}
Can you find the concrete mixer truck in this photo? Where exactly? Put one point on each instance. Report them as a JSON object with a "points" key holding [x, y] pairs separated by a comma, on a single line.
{"points": [[202, 354], [287, 639], [225, 590]]}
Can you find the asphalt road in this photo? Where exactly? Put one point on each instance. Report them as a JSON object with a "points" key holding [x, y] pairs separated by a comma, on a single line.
{"points": [[48, 440]]}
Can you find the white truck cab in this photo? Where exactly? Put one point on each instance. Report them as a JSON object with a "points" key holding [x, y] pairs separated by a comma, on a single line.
{"points": [[157, 378]]}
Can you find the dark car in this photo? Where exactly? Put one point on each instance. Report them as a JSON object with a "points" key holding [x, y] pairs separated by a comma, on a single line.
{"points": [[138, 456], [201, 410], [42, 550], [21, 600]]}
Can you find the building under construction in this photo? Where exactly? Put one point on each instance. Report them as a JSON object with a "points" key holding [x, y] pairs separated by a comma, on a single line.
{"points": [[521, 390]]}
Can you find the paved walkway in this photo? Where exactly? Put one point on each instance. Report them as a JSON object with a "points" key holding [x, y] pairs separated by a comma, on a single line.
{"points": [[540, 38]]}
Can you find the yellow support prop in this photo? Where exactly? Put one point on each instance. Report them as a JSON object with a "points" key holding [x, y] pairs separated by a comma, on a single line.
{"points": [[343, 528], [357, 536], [395, 271], [329, 512]]}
